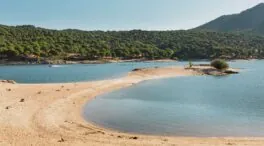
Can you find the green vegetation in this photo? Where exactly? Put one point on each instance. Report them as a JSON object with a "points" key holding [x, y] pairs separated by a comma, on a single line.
{"points": [[37, 44], [190, 64], [250, 20], [220, 64]]}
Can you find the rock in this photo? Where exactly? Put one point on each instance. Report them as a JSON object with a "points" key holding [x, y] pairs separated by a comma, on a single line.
{"points": [[102, 132], [61, 140], [8, 81], [8, 89], [7, 107], [137, 69], [133, 137], [216, 73], [212, 72], [22, 100], [231, 72], [203, 65], [11, 81]]}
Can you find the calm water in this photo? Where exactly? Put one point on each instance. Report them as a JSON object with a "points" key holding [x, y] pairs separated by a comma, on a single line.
{"points": [[72, 73], [187, 106]]}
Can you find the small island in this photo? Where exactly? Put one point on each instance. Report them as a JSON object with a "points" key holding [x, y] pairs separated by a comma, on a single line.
{"points": [[218, 67]]}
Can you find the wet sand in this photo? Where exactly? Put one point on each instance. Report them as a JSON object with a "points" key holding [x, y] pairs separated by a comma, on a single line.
{"points": [[51, 114]]}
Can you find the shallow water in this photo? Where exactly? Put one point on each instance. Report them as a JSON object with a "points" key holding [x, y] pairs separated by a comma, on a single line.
{"points": [[73, 73], [187, 106]]}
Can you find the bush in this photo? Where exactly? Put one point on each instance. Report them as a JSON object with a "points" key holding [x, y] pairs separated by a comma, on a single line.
{"points": [[190, 64], [220, 64]]}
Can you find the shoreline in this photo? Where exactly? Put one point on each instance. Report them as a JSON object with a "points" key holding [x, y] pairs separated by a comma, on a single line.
{"points": [[71, 62], [51, 114]]}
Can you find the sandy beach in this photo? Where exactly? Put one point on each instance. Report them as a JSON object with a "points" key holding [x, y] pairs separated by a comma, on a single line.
{"points": [[51, 114]]}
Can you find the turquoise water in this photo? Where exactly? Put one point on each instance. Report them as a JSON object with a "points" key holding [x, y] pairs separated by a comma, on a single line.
{"points": [[187, 106], [73, 73]]}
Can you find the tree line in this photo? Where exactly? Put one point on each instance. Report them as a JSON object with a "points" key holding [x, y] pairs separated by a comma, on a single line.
{"points": [[28, 40]]}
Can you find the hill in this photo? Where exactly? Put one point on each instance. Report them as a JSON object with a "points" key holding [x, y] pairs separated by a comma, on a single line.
{"points": [[250, 20], [31, 43]]}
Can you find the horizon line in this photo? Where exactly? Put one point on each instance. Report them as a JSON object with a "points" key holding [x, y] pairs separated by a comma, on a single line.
{"points": [[105, 30]]}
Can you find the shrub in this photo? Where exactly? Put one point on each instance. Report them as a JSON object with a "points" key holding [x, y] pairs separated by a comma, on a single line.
{"points": [[219, 64], [190, 64]]}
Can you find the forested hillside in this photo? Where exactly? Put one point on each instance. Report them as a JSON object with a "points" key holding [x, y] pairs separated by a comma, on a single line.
{"points": [[23, 41]]}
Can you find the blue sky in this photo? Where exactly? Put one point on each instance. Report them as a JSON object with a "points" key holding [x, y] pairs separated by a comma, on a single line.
{"points": [[118, 14]]}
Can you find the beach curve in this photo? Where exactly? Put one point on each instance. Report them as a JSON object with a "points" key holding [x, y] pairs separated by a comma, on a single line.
{"points": [[50, 114]]}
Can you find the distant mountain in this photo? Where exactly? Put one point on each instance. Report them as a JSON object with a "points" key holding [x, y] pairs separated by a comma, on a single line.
{"points": [[251, 20]]}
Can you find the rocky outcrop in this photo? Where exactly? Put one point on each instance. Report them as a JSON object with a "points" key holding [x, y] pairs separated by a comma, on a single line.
{"points": [[208, 70], [137, 69], [231, 71], [8, 81]]}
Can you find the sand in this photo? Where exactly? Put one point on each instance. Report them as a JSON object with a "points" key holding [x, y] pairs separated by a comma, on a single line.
{"points": [[51, 114]]}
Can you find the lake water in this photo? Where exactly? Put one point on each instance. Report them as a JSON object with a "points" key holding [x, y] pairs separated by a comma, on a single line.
{"points": [[73, 73], [187, 106]]}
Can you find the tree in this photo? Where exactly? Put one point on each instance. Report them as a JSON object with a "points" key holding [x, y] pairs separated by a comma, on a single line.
{"points": [[220, 64]]}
